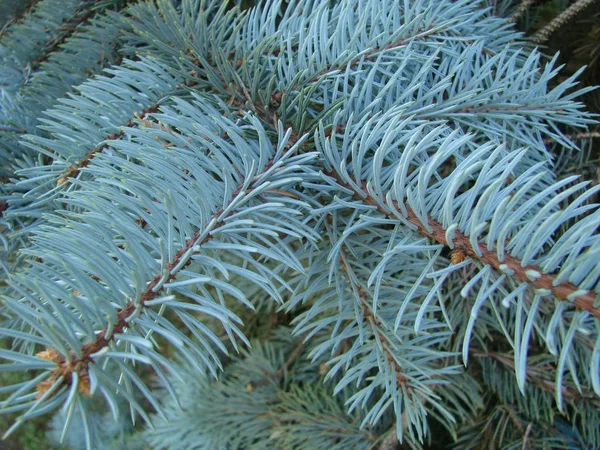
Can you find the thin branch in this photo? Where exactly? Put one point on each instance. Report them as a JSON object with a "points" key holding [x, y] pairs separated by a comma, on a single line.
{"points": [[370, 55], [373, 321], [19, 18], [568, 14], [73, 170], [65, 368], [575, 136], [282, 370], [524, 6], [81, 16], [539, 377], [561, 291], [527, 444]]}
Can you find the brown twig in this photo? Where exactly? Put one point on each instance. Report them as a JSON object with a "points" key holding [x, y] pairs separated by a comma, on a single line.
{"points": [[575, 136], [281, 371], [531, 274], [20, 17], [568, 14], [539, 377], [374, 321], [524, 6]]}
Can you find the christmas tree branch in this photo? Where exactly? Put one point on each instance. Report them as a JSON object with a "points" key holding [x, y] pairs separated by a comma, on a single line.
{"points": [[568, 14], [74, 169], [576, 136], [19, 17], [81, 16], [541, 377], [531, 274], [155, 287], [365, 302], [523, 6]]}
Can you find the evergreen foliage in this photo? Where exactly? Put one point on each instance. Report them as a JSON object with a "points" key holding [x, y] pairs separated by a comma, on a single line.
{"points": [[572, 29], [304, 225]]}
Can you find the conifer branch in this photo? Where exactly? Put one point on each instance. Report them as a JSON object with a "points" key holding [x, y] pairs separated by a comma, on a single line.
{"points": [[20, 17], [418, 92], [523, 6], [73, 170], [564, 291], [532, 275], [568, 14], [74, 24], [540, 377], [371, 55], [81, 16], [66, 367], [576, 136], [373, 321], [282, 370]]}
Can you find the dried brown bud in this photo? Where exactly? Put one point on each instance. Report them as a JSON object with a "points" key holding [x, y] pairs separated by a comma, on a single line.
{"points": [[458, 255], [84, 385], [50, 354], [44, 386]]}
